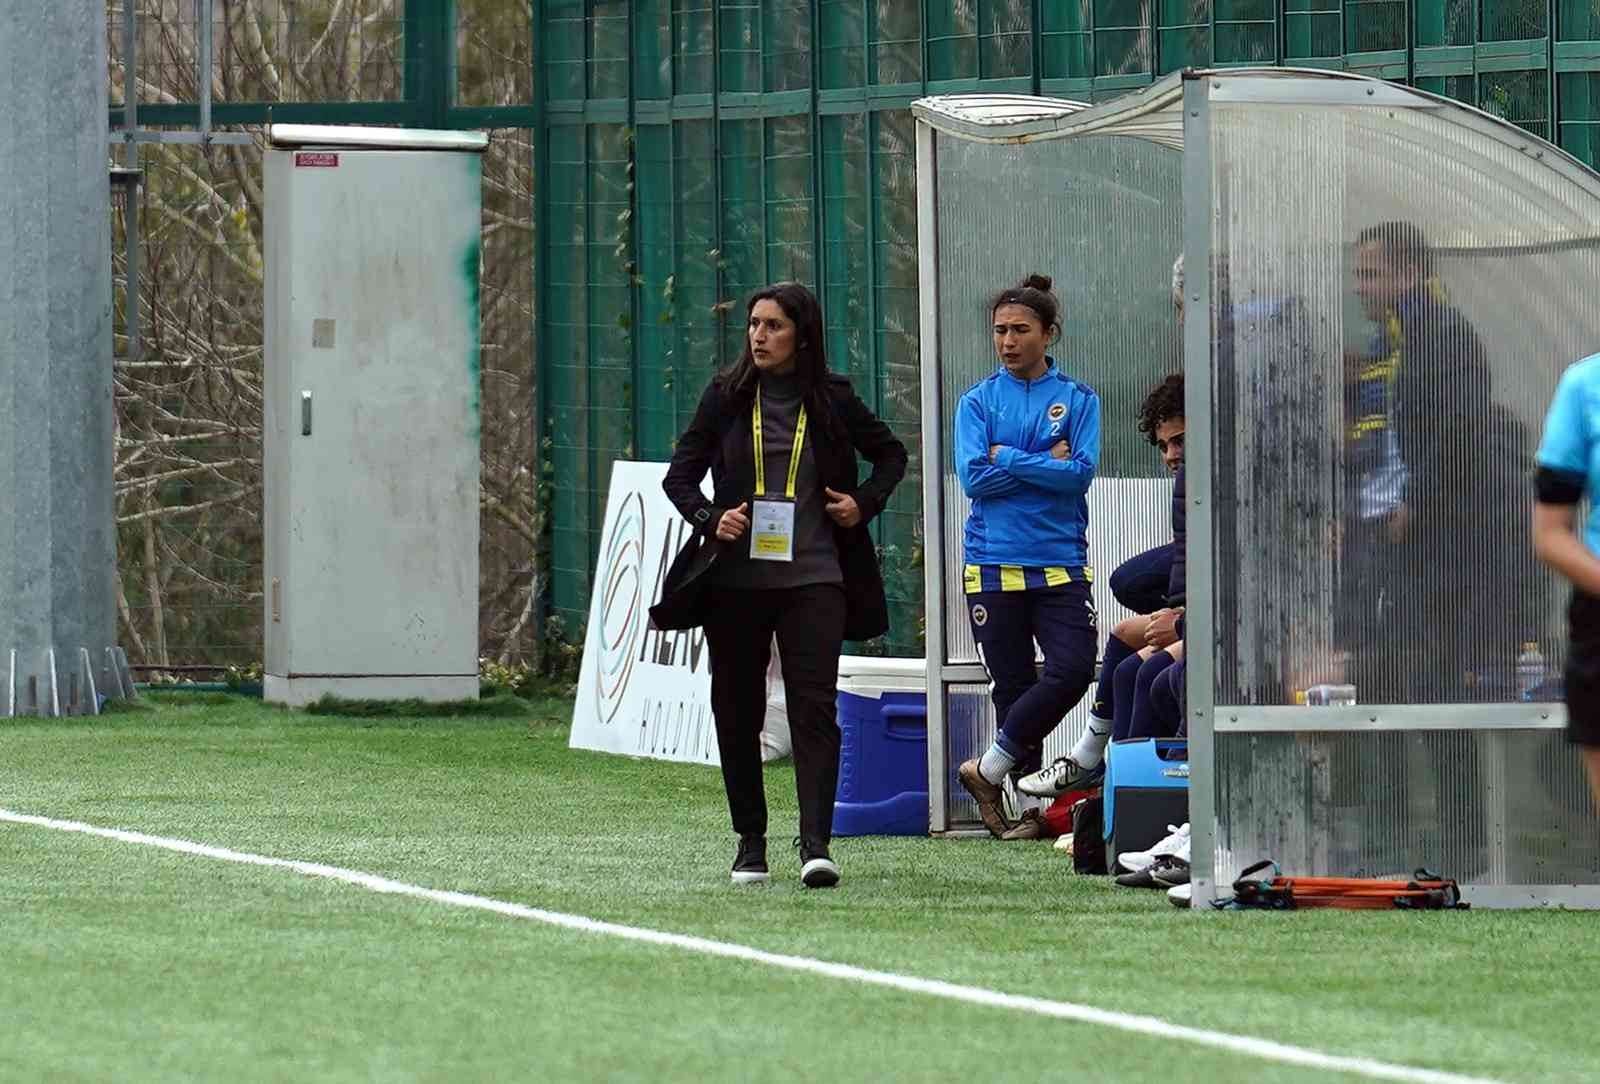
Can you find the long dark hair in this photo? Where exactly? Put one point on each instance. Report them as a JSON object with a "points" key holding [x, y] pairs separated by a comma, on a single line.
{"points": [[810, 350]]}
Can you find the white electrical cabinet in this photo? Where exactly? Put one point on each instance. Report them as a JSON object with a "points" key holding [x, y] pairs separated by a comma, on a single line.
{"points": [[370, 436]]}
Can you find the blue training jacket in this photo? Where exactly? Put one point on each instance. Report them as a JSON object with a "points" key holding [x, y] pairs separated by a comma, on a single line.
{"points": [[1028, 508]]}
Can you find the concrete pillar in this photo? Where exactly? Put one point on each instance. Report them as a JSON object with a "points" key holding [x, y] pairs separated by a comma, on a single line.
{"points": [[57, 526]]}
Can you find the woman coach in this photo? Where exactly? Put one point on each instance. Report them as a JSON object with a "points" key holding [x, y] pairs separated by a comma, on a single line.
{"points": [[781, 548]]}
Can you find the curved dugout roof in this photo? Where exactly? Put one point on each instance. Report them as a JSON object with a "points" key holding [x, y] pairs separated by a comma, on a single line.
{"points": [[1155, 115]]}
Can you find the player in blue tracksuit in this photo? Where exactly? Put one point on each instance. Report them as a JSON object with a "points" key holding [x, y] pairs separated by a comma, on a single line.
{"points": [[1027, 442]]}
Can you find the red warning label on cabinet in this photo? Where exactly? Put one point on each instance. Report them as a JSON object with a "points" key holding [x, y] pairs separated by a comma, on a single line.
{"points": [[316, 158]]}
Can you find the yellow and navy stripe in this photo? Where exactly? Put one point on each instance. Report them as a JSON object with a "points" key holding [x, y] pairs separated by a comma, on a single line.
{"points": [[1376, 383], [982, 578]]}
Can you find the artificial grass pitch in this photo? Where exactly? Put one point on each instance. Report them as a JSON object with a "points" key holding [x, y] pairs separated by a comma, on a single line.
{"points": [[502, 706], [133, 964]]}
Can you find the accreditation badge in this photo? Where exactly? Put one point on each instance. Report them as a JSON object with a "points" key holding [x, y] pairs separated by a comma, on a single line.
{"points": [[771, 529]]}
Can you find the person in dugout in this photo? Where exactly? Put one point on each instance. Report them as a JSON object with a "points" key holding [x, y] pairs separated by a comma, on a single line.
{"points": [[1141, 669], [1027, 443]]}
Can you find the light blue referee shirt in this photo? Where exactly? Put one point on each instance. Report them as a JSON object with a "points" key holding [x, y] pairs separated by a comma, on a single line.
{"points": [[1571, 444]]}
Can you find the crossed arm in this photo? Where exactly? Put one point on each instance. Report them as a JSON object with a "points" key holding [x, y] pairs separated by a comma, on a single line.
{"points": [[997, 470]]}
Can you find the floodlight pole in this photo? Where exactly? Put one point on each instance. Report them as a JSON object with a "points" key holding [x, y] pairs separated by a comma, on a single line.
{"points": [[58, 540]]}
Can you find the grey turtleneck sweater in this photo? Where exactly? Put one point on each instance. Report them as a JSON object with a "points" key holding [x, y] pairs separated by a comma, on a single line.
{"points": [[816, 556]]}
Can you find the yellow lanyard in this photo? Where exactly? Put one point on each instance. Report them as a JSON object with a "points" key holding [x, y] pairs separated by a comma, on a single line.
{"points": [[761, 462]]}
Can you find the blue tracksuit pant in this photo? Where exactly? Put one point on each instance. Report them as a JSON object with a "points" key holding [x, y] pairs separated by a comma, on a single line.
{"points": [[1029, 705]]}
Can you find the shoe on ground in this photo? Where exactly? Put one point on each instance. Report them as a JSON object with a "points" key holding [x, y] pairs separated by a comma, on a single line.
{"points": [[1031, 826], [1173, 869], [988, 796], [1170, 872], [1164, 872], [817, 870], [1139, 878], [1178, 895], [1058, 778], [750, 863], [1176, 839]]}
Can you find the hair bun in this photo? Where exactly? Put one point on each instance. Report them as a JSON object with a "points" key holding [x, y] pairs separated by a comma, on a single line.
{"points": [[1037, 281]]}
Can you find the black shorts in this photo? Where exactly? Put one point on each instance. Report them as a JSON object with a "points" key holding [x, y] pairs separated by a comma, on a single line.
{"points": [[1583, 669]]}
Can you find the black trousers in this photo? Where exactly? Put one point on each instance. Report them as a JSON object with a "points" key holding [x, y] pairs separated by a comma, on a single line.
{"points": [[809, 623], [1582, 677]]}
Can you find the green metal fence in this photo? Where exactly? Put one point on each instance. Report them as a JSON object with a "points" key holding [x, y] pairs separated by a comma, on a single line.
{"points": [[419, 63], [687, 151], [696, 149]]}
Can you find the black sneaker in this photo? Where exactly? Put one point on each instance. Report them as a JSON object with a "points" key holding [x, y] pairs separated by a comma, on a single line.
{"points": [[1164, 872], [817, 870], [750, 864], [1142, 878], [1170, 873]]}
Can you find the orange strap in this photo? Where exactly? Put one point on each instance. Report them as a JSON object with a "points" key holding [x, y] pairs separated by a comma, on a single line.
{"points": [[1424, 891], [1360, 893]]}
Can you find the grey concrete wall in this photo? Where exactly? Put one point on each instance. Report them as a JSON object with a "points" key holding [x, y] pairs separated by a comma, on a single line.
{"points": [[57, 531]]}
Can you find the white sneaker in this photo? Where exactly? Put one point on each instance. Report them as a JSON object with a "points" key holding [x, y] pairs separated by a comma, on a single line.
{"points": [[1062, 775], [1178, 895], [1134, 861]]}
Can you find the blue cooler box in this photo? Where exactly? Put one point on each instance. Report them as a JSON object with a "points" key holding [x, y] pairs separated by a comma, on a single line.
{"points": [[1146, 789], [883, 753]]}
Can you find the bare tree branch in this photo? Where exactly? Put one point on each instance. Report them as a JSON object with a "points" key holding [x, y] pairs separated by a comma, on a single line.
{"points": [[170, 512]]}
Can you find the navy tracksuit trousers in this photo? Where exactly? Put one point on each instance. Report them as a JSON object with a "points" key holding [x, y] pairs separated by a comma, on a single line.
{"points": [[1028, 704]]}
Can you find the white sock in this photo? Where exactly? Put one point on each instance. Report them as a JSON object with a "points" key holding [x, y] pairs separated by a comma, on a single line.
{"points": [[995, 763], [1091, 748]]}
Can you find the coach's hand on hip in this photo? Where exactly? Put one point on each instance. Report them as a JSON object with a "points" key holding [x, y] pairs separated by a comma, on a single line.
{"points": [[842, 508], [732, 525]]}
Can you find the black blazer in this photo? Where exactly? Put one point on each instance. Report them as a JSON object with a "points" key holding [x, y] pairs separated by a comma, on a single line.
{"points": [[719, 440]]}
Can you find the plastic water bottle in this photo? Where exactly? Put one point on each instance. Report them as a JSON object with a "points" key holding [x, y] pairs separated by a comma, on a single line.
{"points": [[1331, 696], [1531, 670]]}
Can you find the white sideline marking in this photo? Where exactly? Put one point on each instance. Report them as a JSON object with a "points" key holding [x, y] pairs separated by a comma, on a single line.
{"points": [[972, 995]]}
